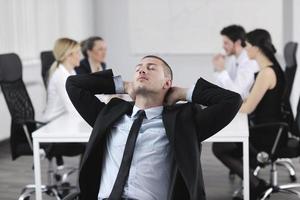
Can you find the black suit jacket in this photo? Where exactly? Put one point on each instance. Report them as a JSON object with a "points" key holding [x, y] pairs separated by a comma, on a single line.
{"points": [[85, 67], [186, 124]]}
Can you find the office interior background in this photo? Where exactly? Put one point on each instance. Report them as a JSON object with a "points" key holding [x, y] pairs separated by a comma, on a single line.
{"points": [[185, 33]]}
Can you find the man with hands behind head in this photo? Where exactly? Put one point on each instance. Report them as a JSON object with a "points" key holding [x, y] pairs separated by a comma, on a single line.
{"points": [[150, 148]]}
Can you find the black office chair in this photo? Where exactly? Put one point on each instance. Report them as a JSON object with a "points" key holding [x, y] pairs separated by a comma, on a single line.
{"points": [[291, 149], [47, 59], [22, 115], [290, 52], [72, 196], [23, 124]]}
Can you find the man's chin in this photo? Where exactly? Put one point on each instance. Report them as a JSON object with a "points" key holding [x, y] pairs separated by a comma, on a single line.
{"points": [[228, 53], [142, 90]]}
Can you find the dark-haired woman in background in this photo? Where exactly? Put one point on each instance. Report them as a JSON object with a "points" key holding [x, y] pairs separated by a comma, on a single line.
{"points": [[263, 103], [94, 52]]}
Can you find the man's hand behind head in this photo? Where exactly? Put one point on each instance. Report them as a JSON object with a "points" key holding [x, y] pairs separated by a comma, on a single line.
{"points": [[175, 94], [128, 87]]}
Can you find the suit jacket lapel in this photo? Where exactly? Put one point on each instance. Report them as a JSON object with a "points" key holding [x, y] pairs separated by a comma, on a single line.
{"points": [[169, 118], [105, 120]]}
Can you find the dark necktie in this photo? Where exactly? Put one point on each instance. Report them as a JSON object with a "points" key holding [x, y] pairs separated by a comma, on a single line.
{"points": [[122, 176]]}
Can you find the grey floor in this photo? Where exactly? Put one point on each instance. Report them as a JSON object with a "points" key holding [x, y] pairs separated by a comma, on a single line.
{"points": [[15, 174]]}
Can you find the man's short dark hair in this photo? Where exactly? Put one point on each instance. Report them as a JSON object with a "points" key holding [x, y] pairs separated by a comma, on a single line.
{"points": [[167, 68], [235, 33]]}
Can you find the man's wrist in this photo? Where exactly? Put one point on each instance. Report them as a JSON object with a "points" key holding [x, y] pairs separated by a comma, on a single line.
{"points": [[125, 85], [119, 85], [183, 94], [189, 93]]}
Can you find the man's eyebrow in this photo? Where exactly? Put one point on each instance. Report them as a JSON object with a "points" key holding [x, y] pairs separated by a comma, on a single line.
{"points": [[151, 64], [146, 64]]}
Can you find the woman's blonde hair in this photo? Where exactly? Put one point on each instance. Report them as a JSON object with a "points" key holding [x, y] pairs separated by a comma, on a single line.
{"points": [[62, 49]]}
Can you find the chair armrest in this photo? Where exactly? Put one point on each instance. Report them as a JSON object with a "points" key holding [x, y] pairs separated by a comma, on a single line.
{"points": [[280, 126], [31, 121], [269, 125], [72, 196], [38, 123]]}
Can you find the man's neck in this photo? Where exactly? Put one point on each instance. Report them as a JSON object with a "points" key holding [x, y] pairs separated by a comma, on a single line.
{"points": [[238, 51], [148, 101]]}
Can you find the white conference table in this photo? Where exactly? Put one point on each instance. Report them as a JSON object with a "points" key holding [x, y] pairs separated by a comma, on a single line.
{"points": [[69, 128]]}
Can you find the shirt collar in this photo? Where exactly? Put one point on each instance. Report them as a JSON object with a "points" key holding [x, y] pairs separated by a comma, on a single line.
{"points": [[242, 57], [62, 67], [150, 112]]}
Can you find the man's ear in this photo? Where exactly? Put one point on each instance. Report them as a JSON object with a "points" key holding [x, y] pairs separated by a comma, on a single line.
{"points": [[168, 84], [238, 42]]}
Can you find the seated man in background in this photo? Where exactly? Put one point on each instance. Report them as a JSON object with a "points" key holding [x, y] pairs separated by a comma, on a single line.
{"points": [[150, 148], [235, 71], [264, 102]]}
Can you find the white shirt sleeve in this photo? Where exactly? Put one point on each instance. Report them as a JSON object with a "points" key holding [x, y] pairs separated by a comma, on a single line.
{"points": [[119, 85], [243, 80], [189, 93], [60, 83]]}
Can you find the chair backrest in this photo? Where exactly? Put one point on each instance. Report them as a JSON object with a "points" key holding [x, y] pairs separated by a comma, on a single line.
{"points": [[47, 58], [13, 88], [10, 67], [296, 128], [17, 100], [290, 52]]}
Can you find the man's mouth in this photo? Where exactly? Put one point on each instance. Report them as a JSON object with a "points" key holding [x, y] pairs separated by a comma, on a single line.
{"points": [[142, 78]]}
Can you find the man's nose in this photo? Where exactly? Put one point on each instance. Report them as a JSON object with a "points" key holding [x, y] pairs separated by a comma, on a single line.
{"points": [[142, 70]]}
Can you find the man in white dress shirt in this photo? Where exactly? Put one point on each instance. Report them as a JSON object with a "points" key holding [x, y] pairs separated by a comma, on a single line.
{"points": [[235, 71]]}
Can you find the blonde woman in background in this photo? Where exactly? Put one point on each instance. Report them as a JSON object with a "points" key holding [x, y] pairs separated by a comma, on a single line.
{"points": [[67, 56]]}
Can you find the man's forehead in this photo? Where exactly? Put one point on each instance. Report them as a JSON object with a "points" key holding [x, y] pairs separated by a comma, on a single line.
{"points": [[151, 60], [226, 38]]}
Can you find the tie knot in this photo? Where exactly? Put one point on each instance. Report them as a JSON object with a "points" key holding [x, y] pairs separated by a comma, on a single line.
{"points": [[141, 114]]}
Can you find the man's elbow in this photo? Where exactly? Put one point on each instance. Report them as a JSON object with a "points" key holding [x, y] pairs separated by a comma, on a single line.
{"points": [[236, 102], [239, 100], [69, 82], [70, 85]]}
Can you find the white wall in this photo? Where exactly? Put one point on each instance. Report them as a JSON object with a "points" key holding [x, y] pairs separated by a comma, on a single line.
{"points": [[296, 20], [193, 26], [113, 25], [296, 37]]}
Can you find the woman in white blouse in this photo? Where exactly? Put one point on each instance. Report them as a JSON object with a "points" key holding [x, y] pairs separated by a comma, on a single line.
{"points": [[67, 56]]}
